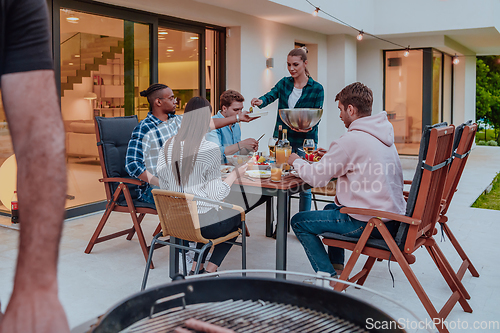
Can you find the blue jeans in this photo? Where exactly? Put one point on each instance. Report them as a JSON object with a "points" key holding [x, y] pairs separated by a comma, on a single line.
{"points": [[305, 196], [305, 200], [308, 225]]}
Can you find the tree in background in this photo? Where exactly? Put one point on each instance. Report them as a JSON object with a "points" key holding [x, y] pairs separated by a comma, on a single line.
{"points": [[488, 92]]}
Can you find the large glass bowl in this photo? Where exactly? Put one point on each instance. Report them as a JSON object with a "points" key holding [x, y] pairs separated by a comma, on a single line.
{"points": [[300, 119]]}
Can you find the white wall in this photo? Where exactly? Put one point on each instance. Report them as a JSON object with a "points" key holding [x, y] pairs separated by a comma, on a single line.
{"points": [[341, 72], [464, 92]]}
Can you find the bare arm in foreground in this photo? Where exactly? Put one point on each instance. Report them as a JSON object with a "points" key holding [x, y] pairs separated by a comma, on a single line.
{"points": [[35, 123]]}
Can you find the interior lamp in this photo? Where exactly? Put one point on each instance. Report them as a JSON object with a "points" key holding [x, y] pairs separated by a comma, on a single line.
{"points": [[90, 96], [270, 62]]}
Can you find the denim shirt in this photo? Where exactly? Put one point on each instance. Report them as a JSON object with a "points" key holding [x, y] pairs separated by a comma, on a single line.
{"points": [[225, 136]]}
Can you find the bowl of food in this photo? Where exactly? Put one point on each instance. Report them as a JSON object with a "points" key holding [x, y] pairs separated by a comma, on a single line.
{"points": [[300, 119], [238, 160]]}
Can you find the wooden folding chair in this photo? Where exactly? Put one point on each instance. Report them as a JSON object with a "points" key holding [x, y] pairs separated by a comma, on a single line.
{"points": [[113, 135], [416, 227], [179, 219], [464, 138]]}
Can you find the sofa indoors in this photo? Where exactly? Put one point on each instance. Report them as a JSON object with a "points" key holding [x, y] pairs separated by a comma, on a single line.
{"points": [[80, 138]]}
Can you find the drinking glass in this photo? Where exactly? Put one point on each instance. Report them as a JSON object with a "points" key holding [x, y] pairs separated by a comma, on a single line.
{"points": [[271, 144], [308, 146], [276, 172]]}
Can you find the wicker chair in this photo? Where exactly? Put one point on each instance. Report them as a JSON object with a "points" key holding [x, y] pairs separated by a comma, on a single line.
{"points": [[178, 216]]}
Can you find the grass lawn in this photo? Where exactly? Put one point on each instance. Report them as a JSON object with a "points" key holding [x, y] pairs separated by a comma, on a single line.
{"points": [[492, 199], [490, 135]]}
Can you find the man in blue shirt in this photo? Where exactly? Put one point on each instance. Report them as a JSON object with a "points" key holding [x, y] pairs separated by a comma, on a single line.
{"points": [[228, 138]]}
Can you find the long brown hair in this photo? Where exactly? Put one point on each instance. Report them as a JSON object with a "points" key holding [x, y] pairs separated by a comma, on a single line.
{"points": [[302, 53], [195, 124]]}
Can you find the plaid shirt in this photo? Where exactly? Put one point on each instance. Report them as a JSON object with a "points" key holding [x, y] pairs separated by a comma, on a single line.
{"points": [[147, 138], [312, 97]]}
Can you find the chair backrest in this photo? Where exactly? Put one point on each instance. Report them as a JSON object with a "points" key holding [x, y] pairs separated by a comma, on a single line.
{"points": [[424, 200], [178, 215], [462, 145], [113, 136]]}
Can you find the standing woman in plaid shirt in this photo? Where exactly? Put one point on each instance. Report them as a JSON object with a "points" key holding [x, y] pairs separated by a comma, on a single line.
{"points": [[296, 91]]}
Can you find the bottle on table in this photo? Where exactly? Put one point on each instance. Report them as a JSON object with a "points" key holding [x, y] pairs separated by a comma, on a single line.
{"points": [[283, 150], [14, 209]]}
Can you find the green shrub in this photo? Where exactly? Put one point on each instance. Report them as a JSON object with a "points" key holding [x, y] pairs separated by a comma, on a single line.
{"points": [[481, 143], [492, 143]]}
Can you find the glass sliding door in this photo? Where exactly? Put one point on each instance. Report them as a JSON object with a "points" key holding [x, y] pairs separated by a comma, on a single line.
{"points": [[403, 98], [178, 64], [437, 88], [104, 64], [7, 173]]}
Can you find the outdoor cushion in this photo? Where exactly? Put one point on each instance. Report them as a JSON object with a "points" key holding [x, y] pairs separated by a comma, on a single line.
{"points": [[115, 134]]}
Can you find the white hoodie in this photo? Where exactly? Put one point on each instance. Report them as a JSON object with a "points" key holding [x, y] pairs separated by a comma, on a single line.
{"points": [[367, 166]]}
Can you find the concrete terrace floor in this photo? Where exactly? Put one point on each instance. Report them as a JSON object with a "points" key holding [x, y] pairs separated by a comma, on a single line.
{"points": [[89, 284]]}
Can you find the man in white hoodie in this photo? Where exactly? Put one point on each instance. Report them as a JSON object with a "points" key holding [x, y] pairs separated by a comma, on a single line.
{"points": [[369, 175]]}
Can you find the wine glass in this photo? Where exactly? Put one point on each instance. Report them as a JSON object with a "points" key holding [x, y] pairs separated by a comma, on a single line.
{"points": [[308, 146], [272, 146]]}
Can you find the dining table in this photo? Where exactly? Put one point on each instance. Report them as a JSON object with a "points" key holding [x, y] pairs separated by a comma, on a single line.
{"points": [[282, 191]]}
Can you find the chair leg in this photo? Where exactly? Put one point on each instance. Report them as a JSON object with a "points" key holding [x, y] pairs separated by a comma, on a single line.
{"points": [[137, 227], [269, 216], [139, 219], [410, 275], [149, 261], [467, 263], [184, 265], [99, 228], [158, 229], [200, 256], [354, 258], [315, 203], [456, 280], [243, 247], [366, 268]]}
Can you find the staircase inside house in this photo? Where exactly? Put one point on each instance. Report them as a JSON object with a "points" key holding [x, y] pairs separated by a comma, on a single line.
{"points": [[81, 54]]}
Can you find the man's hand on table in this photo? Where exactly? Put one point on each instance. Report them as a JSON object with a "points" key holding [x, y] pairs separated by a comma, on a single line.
{"points": [[320, 152], [292, 158]]}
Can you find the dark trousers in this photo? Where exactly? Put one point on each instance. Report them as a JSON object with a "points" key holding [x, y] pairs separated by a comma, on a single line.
{"points": [[224, 222]]}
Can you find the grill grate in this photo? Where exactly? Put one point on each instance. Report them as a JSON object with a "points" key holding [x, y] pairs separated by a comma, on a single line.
{"points": [[247, 316]]}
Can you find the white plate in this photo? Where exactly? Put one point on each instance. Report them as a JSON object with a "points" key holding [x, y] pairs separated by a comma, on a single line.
{"points": [[258, 173], [226, 169], [257, 114]]}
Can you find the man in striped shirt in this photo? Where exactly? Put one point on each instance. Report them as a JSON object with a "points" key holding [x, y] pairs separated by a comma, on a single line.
{"points": [[153, 131]]}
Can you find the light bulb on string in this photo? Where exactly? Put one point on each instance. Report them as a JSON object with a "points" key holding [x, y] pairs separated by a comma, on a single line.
{"points": [[360, 35], [315, 12], [407, 52], [455, 60]]}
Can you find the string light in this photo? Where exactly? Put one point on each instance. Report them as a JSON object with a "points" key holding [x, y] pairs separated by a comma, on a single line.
{"points": [[407, 52], [360, 35]]}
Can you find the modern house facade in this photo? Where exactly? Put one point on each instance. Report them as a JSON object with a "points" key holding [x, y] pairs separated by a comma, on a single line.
{"points": [[106, 52]]}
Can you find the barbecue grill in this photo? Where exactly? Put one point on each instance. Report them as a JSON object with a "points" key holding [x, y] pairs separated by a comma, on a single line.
{"points": [[243, 304]]}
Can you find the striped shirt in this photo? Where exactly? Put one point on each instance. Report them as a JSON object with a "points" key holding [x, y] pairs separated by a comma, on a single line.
{"points": [[312, 97], [204, 181]]}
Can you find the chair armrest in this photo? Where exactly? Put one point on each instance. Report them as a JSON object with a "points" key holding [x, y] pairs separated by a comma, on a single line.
{"points": [[407, 182], [380, 214], [122, 180]]}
